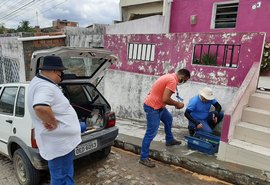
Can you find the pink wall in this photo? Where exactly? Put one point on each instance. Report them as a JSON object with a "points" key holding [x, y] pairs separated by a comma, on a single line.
{"points": [[175, 51], [248, 19]]}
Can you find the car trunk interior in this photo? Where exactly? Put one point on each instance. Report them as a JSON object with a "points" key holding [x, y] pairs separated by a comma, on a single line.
{"points": [[88, 104]]}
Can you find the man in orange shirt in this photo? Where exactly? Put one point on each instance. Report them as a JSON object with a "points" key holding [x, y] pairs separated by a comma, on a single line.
{"points": [[154, 106]]}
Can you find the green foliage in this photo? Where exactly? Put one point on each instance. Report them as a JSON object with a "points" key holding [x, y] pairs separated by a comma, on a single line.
{"points": [[2, 29], [25, 27], [265, 64], [209, 59]]}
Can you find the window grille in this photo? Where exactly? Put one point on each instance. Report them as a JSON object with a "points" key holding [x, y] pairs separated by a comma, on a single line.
{"points": [[226, 55], [144, 52], [225, 15], [9, 70]]}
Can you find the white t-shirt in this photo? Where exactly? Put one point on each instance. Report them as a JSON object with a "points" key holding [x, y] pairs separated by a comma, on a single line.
{"points": [[67, 135]]}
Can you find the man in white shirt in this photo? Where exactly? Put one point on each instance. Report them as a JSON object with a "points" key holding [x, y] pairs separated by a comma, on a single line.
{"points": [[57, 128]]}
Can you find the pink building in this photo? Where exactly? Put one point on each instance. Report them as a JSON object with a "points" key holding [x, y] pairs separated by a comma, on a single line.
{"points": [[220, 16], [234, 32]]}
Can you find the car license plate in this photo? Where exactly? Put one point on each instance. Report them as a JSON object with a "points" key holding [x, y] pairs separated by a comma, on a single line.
{"points": [[80, 149]]}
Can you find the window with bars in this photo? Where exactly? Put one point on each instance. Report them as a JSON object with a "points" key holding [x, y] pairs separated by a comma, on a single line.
{"points": [[225, 14], [225, 55], [143, 52]]}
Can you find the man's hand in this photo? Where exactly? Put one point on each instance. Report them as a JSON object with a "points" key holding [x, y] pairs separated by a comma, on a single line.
{"points": [[49, 126], [200, 126], [46, 114], [179, 105]]}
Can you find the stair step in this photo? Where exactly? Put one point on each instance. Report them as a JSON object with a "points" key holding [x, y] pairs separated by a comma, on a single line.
{"points": [[247, 154], [252, 133], [256, 116], [260, 100], [251, 147]]}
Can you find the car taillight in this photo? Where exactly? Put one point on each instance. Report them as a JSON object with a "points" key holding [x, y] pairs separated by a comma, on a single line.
{"points": [[33, 140], [110, 119]]}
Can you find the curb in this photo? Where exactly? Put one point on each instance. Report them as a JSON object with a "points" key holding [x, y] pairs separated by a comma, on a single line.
{"points": [[196, 161]]}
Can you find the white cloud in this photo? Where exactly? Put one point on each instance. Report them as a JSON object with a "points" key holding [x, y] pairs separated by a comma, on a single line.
{"points": [[85, 12]]}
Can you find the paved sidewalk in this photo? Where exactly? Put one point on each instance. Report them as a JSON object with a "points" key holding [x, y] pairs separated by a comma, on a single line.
{"points": [[132, 132]]}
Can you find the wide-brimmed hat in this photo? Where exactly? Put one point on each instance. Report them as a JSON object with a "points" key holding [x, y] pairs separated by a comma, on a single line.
{"points": [[207, 93], [52, 63]]}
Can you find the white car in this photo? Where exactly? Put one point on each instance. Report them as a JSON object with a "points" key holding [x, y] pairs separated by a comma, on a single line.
{"points": [[17, 134]]}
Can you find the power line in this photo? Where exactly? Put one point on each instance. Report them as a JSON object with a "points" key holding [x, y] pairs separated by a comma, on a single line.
{"points": [[2, 18], [14, 14], [26, 8]]}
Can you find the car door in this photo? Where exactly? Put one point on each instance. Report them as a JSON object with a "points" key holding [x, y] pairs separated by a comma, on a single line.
{"points": [[7, 101]]}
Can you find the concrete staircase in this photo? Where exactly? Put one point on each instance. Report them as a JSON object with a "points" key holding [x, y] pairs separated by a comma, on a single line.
{"points": [[251, 143]]}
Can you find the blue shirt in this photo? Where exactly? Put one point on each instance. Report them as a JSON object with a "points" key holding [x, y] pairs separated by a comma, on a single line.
{"points": [[199, 109]]}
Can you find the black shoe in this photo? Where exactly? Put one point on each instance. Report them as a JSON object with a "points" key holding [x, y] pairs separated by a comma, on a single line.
{"points": [[147, 162], [174, 142]]}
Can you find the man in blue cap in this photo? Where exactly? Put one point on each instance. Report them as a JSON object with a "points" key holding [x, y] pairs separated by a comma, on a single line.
{"points": [[57, 128]]}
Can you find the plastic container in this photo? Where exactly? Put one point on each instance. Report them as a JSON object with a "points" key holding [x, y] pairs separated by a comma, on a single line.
{"points": [[203, 142], [207, 137]]}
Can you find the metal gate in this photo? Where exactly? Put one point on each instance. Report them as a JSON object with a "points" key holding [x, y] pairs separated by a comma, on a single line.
{"points": [[9, 70]]}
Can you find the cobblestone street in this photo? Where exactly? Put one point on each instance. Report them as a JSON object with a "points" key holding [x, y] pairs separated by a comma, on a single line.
{"points": [[120, 168]]}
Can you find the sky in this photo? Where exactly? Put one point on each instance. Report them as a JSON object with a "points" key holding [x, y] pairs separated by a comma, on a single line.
{"points": [[43, 12]]}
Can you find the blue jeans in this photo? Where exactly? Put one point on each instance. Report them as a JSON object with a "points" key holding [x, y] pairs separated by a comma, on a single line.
{"points": [[208, 124], [153, 120], [62, 170]]}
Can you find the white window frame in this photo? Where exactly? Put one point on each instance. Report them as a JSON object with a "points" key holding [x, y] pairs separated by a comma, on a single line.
{"points": [[214, 10]]}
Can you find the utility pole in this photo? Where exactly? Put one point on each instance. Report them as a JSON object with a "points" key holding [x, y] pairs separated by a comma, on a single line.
{"points": [[37, 16]]}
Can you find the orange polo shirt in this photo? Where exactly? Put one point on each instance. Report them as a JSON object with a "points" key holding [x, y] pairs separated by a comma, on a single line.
{"points": [[154, 97]]}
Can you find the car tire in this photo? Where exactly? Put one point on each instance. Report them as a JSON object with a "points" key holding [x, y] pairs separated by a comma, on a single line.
{"points": [[101, 154], [24, 170]]}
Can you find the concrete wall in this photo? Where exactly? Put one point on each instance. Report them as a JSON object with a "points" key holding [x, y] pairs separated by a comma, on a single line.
{"points": [[126, 91], [249, 19], [128, 82], [149, 25], [85, 37], [11, 60], [174, 51]]}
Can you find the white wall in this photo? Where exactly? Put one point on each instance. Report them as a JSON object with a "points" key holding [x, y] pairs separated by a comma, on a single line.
{"points": [[149, 25], [126, 93]]}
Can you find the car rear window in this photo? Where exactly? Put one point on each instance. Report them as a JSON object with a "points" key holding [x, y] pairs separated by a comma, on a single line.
{"points": [[76, 94]]}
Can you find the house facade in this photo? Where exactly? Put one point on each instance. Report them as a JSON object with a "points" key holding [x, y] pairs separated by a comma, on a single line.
{"points": [[231, 32], [220, 16]]}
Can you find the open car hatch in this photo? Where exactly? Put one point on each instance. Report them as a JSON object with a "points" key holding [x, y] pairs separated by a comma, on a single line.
{"points": [[84, 64]]}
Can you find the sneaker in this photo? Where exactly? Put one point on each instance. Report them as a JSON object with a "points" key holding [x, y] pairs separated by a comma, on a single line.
{"points": [[174, 142], [147, 162]]}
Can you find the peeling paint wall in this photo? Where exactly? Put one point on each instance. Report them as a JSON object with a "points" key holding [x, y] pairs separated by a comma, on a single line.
{"points": [[126, 92], [252, 16], [128, 82], [174, 51]]}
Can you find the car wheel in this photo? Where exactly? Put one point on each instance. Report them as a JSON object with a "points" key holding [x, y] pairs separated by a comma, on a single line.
{"points": [[24, 170], [102, 153]]}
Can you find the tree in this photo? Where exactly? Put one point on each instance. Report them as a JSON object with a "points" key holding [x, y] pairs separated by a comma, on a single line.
{"points": [[25, 27], [2, 29]]}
